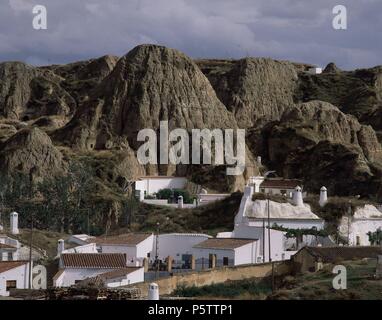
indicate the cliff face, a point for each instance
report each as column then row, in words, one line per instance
column 31, row 151
column 148, row 85
column 321, row 128
column 28, row 92
column 319, row 143
column 255, row 90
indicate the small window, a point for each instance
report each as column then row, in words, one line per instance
column 358, row 241
column 10, row 256
column 225, row 261
column 11, row 284
column 262, row 190
column 148, row 255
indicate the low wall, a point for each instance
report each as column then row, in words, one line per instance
column 212, row 276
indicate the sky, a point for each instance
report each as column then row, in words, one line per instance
column 296, row 30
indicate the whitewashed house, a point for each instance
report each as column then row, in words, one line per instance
column 136, row 246
column 149, row 185
column 365, row 219
column 296, row 215
column 13, row 275
column 217, row 252
column 315, row 70
column 9, row 248
column 76, row 267
column 279, row 186
column 179, row 246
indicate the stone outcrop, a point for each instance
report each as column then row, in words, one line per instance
column 256, row 90
column 31, row 151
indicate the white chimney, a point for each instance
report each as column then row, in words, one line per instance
column 60, row 246
column 14, row 223
column 297, row 197
column 323, row 196
column 248, row 191
column 153, row 291
column 180, row 202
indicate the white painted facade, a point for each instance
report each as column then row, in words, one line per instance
column 246, row 254
column 134, row 253
column 130, row 278
column 365, row 219
column 9, row 254
column 177, row 244
column 152, row 184
column 19, row 274
column 205, row 198
column 87, row 248
column 71, row 276
column 80, row 239
column 315, row 70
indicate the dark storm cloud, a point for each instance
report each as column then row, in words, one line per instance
column 298, row 30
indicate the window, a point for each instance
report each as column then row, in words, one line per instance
column 10, row 256
column 225, row 261
column 11, row 284
column 148, row 255
column 358, row 241
column 262, row 190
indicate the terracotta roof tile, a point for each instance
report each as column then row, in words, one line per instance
column 223, row 243
column 8, row 265
column 93, row 260
column 129, row 239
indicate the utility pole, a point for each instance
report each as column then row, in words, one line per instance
column 263, row 240
column 157, row 252
column 349, row 215
column 269, row 234
column 31, row 227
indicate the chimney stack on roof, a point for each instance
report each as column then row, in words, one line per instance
column 60, row 246
column 323, row 196
column 297, row 197
column 14, row 223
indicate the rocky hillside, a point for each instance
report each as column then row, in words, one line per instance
column 321, row 128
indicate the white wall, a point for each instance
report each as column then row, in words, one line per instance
column 87, row 248
column 153, row 185
column 134, row 254
column 133, row 277
column 70, row 276
column 20, row 274
column 247, row 254
column 176, row 244
column 277, row 240
column 291, row 223
column 359, row 228
column 200, row 253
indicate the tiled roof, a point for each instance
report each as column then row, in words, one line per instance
column 8, row 265
column 6, row 246
column 93, row 260
column 280, row 183
column 129, row 239
column 223, row 243
column 332, row 254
